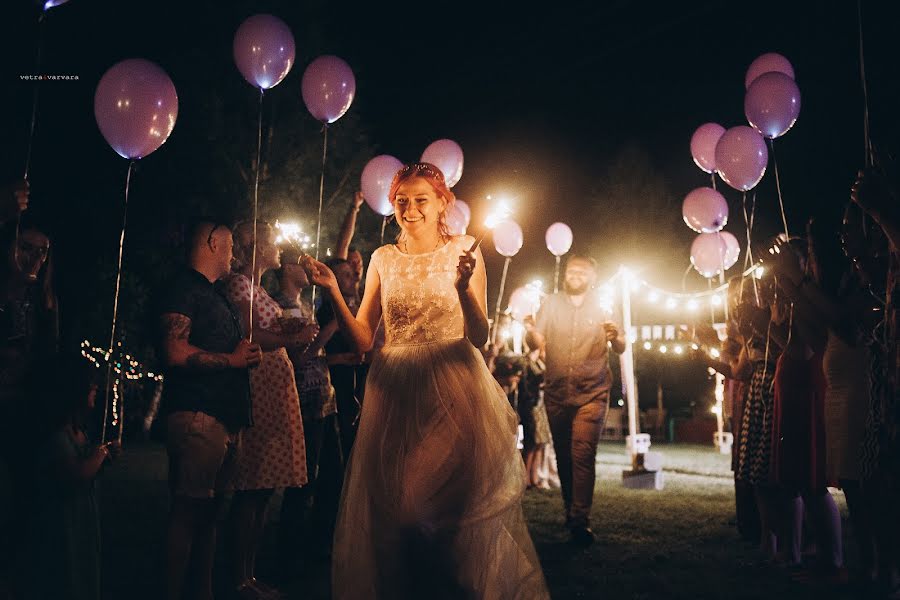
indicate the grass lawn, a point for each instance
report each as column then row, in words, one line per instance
column 674, row 543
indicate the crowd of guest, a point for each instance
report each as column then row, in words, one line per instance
column 263, row 393
column 811, row 357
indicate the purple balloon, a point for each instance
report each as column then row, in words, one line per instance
column 703, row 146
column 48, row 4
column 772, row 104
column 465, row 209
column 135, row 106
column 263, row 50
column 741, row 157
column 328, row 88
column 447, row 156
column 732, row 249
column 456, row 220
column 558, row 239
column 375, row 183
column 508, row 238
column 705, row 210
column 766, row 64
column 708, row 254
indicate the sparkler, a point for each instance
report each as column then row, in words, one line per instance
column 501, row 211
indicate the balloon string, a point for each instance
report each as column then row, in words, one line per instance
column 321, row 197
column 34, row 100
column 112, row 335
column 556, row 276
column 713, row 177
column 748, row 257
column 384, row 223
column 787, row 234
column 684, row 278
column 499, row 300
column 255, row 210
column 30, row 145
column 870, row 154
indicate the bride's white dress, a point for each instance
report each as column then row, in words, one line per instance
column 431, row 500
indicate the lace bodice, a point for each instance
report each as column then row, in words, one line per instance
column 419, row 302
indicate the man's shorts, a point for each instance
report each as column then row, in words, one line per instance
column 202, row 454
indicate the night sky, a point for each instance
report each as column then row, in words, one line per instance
column 544, row 101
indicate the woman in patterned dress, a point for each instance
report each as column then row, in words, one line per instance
column 755, row 448
column 431, row 500
column 271, row 453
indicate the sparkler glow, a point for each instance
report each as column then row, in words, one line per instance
column 501, row 211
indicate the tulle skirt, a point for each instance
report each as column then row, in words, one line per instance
column 431, row 501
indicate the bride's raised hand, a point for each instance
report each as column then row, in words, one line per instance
column 318, row 273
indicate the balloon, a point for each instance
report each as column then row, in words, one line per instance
column 456, row 220
column 705, row 210
column 708, row 254
column 772, row 104
column 732, row 249
column 524, row 301
column 741, row 157
column 508, row 238
column 48, row 4
column 263, row 50
column 447, row 156
column 135, row 106
column 465, row 209
column 703, row 146
column 558, row 238
column 375, row 183
column 766, row 64
column 328, row 88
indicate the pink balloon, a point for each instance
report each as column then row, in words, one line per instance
column 263, row 50
column 741, row 157
column 465, row 209
column 705, row 210
column 732, row 249
column 328, row 88
column 456, row 220
column 766, row 64
column 508, row 238
column 135, row 106
column 708, row 254
column 524, row 301
column 558, row 238
column 375, row 183
column 703, row 146
column 447, row 156
column 772, row 104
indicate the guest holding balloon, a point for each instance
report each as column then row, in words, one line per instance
column 62, row 552
column 419, row 518
column 272, row 453
column 206, row 402
column 574, row 331
column 28, row 338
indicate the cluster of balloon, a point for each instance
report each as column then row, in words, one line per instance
column 135, row 106
column 739, row 154
column 559, row 241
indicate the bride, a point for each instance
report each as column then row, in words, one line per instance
column 431, row 501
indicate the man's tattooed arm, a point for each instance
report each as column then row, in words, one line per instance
column 177, row 330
